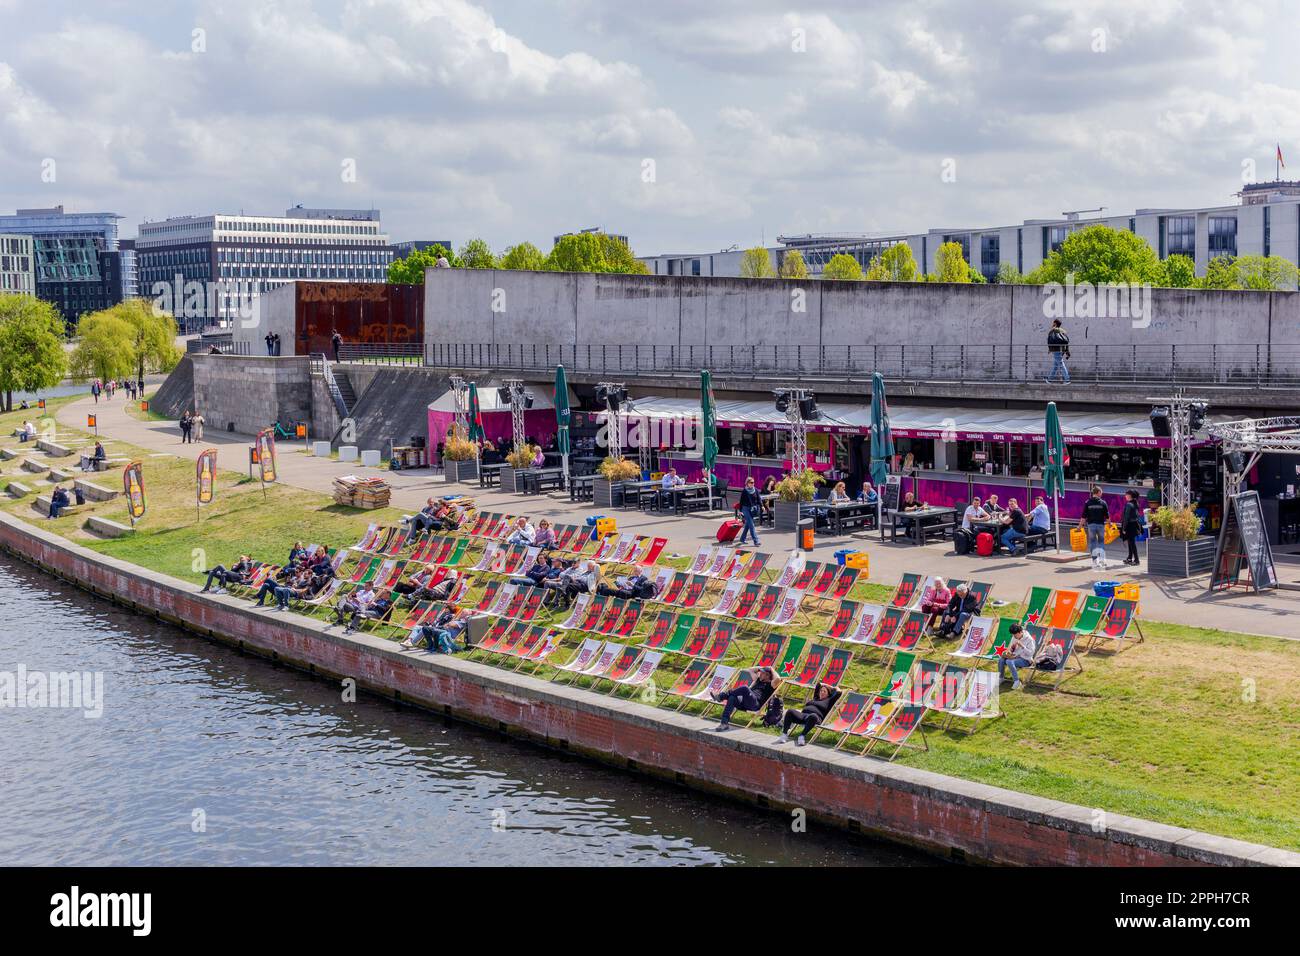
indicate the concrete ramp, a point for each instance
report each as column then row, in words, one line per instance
column 176, row 394
column 394, row 406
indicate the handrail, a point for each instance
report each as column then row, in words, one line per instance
column 319, row 364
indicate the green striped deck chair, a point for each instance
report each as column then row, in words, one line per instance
column 1091, row 614
column 462, row 545
column 1001, row 640
column 1036, row 605
column 681, row 633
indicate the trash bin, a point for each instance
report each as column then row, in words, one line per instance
column 803, row 534
column 1105, row 589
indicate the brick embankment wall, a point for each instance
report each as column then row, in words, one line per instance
column 942, row 815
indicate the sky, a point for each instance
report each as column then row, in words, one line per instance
column 689, row 126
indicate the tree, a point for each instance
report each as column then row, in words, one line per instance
column 31, row 346
column 1008, row 275
column 950, row 264
column 756, row 263
column 476, row 254
column 895, row 264
column 842, row 266
column 583, row 252
column 124, row 341
column 1180, row 272
column 975, row 276
column 411, row 269
column 619, row 258
column 525, row 257
column 793, row 266
column 1262, row 273
column 1104, row 256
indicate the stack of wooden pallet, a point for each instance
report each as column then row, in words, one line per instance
column 361, row 492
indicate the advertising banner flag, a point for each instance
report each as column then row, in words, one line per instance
column 266, row 454
column 133, row 487
column 205, row 474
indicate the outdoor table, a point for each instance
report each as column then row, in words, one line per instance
column 489, row 475
column 682, row 494
column 581, row 487
column 535, row 478
column 850, row 512
column 585, row 464
column 915, row 523
column 635, row 492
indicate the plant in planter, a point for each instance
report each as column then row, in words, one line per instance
column 460, row 458
column 1180, row 550
column 518, row 460
column 611, row 471
column 792, row 491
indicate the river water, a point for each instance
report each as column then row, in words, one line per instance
column 204, row 756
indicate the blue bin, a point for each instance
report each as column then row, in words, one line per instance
column 843, row 553
column 591, row 523
column 1105, row 589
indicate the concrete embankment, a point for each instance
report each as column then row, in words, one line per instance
column 944, row 815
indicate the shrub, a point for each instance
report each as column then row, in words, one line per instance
column 800, row 487
column 523, row 458
column 1178, row 524
column 619, row 469
column 458, row 449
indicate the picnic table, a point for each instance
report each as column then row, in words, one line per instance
column 685, row 497
column 918, row 525
column 850, row 513
column 534, row 479
column 489, row 475
column 581, row 487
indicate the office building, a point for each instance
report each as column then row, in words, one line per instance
column 17, row 265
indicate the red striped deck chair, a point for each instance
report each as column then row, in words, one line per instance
column 1065, row 639
column 843, row 584
column 650, row 553
column 628, row 621
column 372, row 532
column 769, row 601
column 501, row 527
column 811, row 572
column 532, row 639
column 695, row 588
column 595, row 612
column 874, row 714
column 609, row 620
column 422, row 547
column 577, row 613
column 1063, row 608
column 661, row 628
column 907, row 590
column 508, row 559
column 811, row 669
column 394, row 575
column 641, row 676
column 980, row 591
column 489, row 596
column 514, row 605
column 485, row 559
column 928, row 675
column 980, row 700
column 581, row 543
column 756, row 565
column 888, row 626
column 396, row 542
column 626, row 547
column 563, row 537
column 789, row 573
column 770, row 652
column 978, row 638
column 624, row 663
column 479, row 525
column 506, row 597
column 721, row 679
column 440, row 549
column 532, row 604
column 788, row 607
column 1121, row 616
column 720, row 559
column 604, row 547
column 1036, row 605
column 843, row 716
column 822, row 583
column 724, row 632
column 949, row 690
column 494, row 634
column 672, row 593
column 747, row 601
column 868, row 620
column 703, row 558
column 842, row 622
column 417, row 615
column 691, row 679
column 459, row 592
column 837, row 665
column 898, row 730
column 582, row 658
column 543, row 649
column 380, row 544
column 382, row 573
column 512, row 639
column 910, row 631
column 359, row 572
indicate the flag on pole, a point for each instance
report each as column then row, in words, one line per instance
column 1055, row 459
column 205, row 473
column 133, row 486
column 1280, row 161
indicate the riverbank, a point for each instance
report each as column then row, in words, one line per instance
column 940, row 814
column 1163, row 731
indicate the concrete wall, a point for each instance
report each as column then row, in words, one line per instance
column 251, row 392
column 273, row 312
column 940, row 814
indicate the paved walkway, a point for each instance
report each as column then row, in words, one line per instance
column 1182, row 602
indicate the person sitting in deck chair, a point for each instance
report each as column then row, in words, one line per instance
column 534, row 576
column 419, row 582
column 355, row 605
column 746, row 697
column 522, row 532
column 545, row 536
column 810, row 715
column 1019, row 654
column 632, row 587
column 440, row 638
column 960, row 607
column 935, row 598
column 238, row 573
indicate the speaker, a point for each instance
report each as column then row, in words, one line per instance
column 1196, row 416
column 808, row 409
column 1160, row 422
column 503, row 395
column 528, row 399
column 1234, row 461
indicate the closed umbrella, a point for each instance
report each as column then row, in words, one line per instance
column 562, row 415
column 475, row 418
column 882, row 443
column 1054, row 465
column 709, row 416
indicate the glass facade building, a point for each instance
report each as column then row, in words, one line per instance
column 17, row 259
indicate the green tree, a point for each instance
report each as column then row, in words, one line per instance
column 950, row 265
column 842, row 266
column 525, row 256
column 476, row 254
column 1104, row 256
column 411, row 269
column 895, row 264
column 975, row 276
column 583, row 252
column 619, row 257
column 1261, row 273
column 125, row 341
column 1180, row 272
column 756, row 263
column 31, row 346
column 1008, row 275
column 793, row 266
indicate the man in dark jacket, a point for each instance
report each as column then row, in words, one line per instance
column 960, row 607
column 812, row 714
column 1093, row 520
column 747, row 697
column 748, row 507
column 1058, row 346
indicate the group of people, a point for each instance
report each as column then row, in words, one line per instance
column 191, row 427
column 756, row 689
column 1012, row 525
column 108, row 388
column 1095, row 517
column 272, row 340
column 438, row 514
column 61, row 500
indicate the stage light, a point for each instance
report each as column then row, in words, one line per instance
column 782, row 401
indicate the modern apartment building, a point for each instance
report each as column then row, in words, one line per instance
column 78, row 262
column 17, row 265
column 209, row 267
column 1266, row 221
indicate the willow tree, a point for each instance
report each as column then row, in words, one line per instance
column 31, row 346
column 125, row 341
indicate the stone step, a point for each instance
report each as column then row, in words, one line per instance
column 18, row 490
column 35, row 467
column 106, row 528
column 8, row 454
column 61, row 474
column 53, row 448
column 94, row 492
column 42, row 504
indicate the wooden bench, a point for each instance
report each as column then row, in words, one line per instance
column 106, row 528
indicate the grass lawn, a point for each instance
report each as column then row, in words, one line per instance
column 1194, row 727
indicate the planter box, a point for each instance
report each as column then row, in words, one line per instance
column 1180, row 559
column 461, row 470
column 508, row 479
column 786, row 515
column 603, row 492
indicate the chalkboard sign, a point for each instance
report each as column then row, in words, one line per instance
column 893, row 492
column 1243, row 543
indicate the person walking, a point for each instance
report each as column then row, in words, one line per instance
column 1093, row 520
column 336, row 341
column 187, row 423
column 94, row 390
column 749, row 505
column 1130, row 526
column 197, row 423
column 1058, row 346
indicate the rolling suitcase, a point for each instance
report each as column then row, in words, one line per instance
column 984, row 544
column 728, row 530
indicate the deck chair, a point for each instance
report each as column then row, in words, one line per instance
column 872, row 715
column 509, row 602
column 1065, row 639
column 641, row 676
column 542, row 652
column 323, row 595
column 755, row 566
column 672, row 592
column 770, row 651
column 624, row 664
column 789, row 606
column 1121, row 617
column 898, row 730
column 660, row 630
column 703, row 558
column 625, row 548
column 788, row 664
column 609, row 619
column 457, row 552
column 720, row 680
column 898, row 683
column 595, row 612
column 359, row 572
column 844, row 582
column 532, row 603
column 582, row 658
column 927, row 677
column 603, row 661
column 488, row 598
column 486, row 559
column 720, row 559
column 691, row 679
column 790, row 571
column 494, row 635
column 694, row 590
column 1036, row 604
column 364, row 544
column 911, row 632
column 728, row 599
column 813, row 662
column 662, row 579
column 1091, row 614
column 843, row 715
column 979, row 701
column 949, row 690
column 980, row 590
column 627, row 623
column 977, row 639
column 650, row 553
column 397, row 542
column 1064, row 608
column 809, row 573
column 887, row 627
column 1001, row 639
column 869, row 616
column 723, row 634
column 907, row 591
column 843, row 620
column 695, row 637
column 748, row 601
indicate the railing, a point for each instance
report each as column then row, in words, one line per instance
column 410, row 353
column 1242, row 365
column 320, row 365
